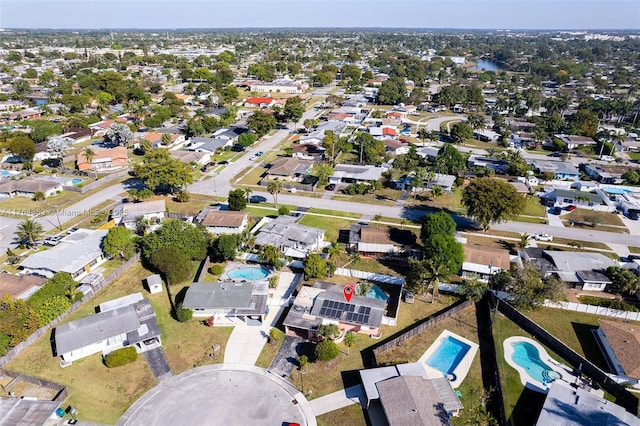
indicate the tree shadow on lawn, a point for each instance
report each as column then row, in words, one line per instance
column 508, row 245
column 527, row 408
column 589, row 345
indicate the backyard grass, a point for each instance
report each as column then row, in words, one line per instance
column 634, row 155
column 195, row 204
column 102, row 394
column 364, row 264
column 634, row 249
column 352, row 415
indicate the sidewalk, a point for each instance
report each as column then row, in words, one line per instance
column 246, row 342
column 337, row 400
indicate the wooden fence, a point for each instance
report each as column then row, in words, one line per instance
column 99, row 285
column 420, row 327
column 61, row 391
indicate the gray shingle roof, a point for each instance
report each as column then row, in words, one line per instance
column 225, row 295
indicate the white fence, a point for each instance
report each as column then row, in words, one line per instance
column 388, row 279
column 597, row 310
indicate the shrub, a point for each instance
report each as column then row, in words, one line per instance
column 216, row 269
column 38, row 169
column 273, row 281
column 302, row 362
column 121, row 357
column 608, row 303
column 283, row 210
column 182, row 196
column 183, row 314
column 326, row 350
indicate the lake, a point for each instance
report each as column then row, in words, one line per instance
column 486, row 65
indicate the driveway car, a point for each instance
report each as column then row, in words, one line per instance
column 542, row 237
column 331, row 187
column 571, row 208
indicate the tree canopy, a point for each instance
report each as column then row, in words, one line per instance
column 188, row 239
column 161, row 171
column 237, row 200
column 440, row 223
column 119, row 243
column 489, row 200
column 261, row 122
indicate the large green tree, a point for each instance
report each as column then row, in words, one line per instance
column 293, row 109
column 461, row 131
column 161, row 171
column 172, row 263
column 440, row 223
column 527, row 288
column 450, row 160
column 392, row 91
column 23, row 147
column 225, row 247
column 190, row 240
column 119, row 243
column 490, row 200
column 237, row 199
column 315, row 266
column 28, row 232
column 261, row 122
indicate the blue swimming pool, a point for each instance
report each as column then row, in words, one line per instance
column 526, row 356
column 447, row 357
column 248, row 273
column 617, row 190
column 6, row 173
column 376, row 292
column 76, row 181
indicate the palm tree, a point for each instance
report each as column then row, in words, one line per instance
column 89, row 154
column 418, row 181
column 247, row 239
column 274, row 187
column 28, row 232
column 436, row 192
column 437, row 272
column 423, row 134
column 247, row 193
column 335, row 249
column 524, row 240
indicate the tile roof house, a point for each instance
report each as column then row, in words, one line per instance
column 156, row 139
column 366, row 239
column 259, row 102
column 77, row 254
column 20, row 286
column 28, row 187
column 127, row 321
column 104, row 159
column 484, row 262
column 127, row 214
column 226, row 300
column 225, row 221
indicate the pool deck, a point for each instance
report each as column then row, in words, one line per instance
column 463, row 367
column 525, row 378
column 239, row 265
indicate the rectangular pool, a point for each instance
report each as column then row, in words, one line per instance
column 448, row 355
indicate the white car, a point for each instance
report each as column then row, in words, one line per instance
column 542, row 237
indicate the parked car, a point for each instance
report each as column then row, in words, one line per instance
column 542, row 237
column 331, row 187
column 259, row 153
column 71, row 230
column 634, row 216
column 557, row 210
column 238, row 148
column 571, row 208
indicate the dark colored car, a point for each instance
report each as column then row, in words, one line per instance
column 557, row 210
column 331, row 187
column 634, row 216
column 238, row 148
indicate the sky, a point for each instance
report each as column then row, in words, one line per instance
column 459, row 14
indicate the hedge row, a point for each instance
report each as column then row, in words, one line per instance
column 121, row 357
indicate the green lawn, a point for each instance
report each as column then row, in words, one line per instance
column 352, row 415
column 634, row 249
column 601, row 218
column 533, row 207
column 634, row 155
column 102, row 394
column 334, row 213
column 331, row 225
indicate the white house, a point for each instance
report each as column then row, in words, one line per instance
column 225, row 221
column 127, row 321
column 78, row 254
column 127, row 214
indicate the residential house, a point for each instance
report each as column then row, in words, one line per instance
column 394, row 147
column 351, row 173
column 103, row 159
column 208, row 145
column 620, row 345
column 42, row 151
column 259, row 102
column 77, row 135
column 127, row 214
column 484, row 262
column 408, row 396
column 562, row 197
column 605, row 174
column 386, row 241
column 499, row 165
column 486, row 135
column 228, row 300
column 25, row 114
column 284, row 85
column 575, row 141
column 225, row 221
column 28, row 187
column 580, row 270
column 119, row 323
column 318, row 134
column 231, row 133
column 323, row 305
column 293, row 239
column 308, row 152
column 78, row 254
column 288, row 169
column 20, row 286
column 100, row 128
column 562, row 170
column 156, row 139
column 428, row 152
column 566, row 405
column 191, row 157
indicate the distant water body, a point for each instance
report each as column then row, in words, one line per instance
column 486, row 65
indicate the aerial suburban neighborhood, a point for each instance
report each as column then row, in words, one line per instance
column 314, row 227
